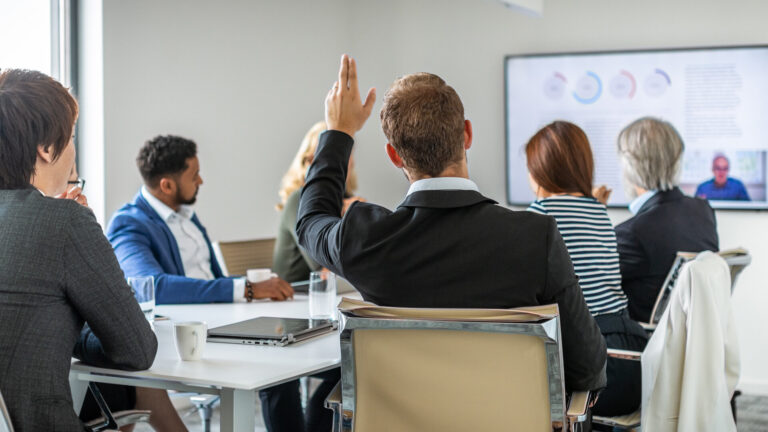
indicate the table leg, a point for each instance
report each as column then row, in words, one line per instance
column 238, row 410
column 78, row 388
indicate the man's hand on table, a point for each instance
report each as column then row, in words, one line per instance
column 273, row 288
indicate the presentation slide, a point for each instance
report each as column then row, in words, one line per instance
column 716, row 98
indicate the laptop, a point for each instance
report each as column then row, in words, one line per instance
column 271, row 331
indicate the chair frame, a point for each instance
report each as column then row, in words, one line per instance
column 548, row 330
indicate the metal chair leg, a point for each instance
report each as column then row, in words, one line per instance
column 304, row 387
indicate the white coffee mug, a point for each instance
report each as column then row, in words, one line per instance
column 259, row 275
column 190, row 339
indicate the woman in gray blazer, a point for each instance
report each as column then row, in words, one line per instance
column 57, row 270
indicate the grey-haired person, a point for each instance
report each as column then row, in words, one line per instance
column 664, row 220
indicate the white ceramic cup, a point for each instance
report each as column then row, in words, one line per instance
column 190, row 339
column 259, row 275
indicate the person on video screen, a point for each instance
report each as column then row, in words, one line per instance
column 721, row 187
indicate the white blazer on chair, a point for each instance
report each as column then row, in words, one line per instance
column 691, row 363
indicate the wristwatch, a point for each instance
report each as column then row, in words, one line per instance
column 248, row 291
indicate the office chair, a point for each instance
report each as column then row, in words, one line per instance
column 108, row 421
column 410, row 369
column 737, row 260
column 236, row 257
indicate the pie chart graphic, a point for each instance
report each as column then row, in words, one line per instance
column 656, row 83
column 554, row 86
column 588, row 88
column 623, row 85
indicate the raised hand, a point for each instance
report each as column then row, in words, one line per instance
column 344, row 110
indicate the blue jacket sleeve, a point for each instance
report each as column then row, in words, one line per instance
column 133, row 248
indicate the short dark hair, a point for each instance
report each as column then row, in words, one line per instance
column 560, row 159
column 423, row 119
column 35, row 110
column 164, row 155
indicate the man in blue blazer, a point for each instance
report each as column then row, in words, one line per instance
column 158, row 234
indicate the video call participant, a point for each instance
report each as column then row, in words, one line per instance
column 57, row 271
column 721, row 187
column 665, row 221
column 446, row 245
column 561, row 171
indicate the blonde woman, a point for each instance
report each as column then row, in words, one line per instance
column 290, row 261
column 293, row 264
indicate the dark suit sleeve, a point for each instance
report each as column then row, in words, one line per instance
column 121, row 336
column 319, row 225
column 131, row 244
column 289, row 218
column 633, row 259
column 584, row 349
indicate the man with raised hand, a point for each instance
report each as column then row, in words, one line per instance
column 446, row 245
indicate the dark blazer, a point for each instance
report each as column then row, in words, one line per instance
column 668, row 223
column 57, row 271
column 448, row 248
column 145, row 246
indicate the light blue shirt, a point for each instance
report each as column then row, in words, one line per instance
column 442, row 183
column 638, row 202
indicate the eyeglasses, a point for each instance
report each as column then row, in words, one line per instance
column 80, row 182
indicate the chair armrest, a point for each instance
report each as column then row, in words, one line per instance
column 578, row 406
column 624, row 354
column 648, row 327
column 122, row 418
column 333, row 400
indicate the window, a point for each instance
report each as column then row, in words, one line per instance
column 35, row 34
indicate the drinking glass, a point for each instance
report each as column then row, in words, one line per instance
column 143, row 288
column 322, row 295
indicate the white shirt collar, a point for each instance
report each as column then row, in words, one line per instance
column 442, row 183
column 162, row 209
column 638, row 202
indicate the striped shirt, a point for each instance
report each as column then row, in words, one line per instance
column 588, row 234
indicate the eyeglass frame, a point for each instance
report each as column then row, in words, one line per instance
column 80, row 182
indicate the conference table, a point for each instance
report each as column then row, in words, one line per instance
column 234, row 372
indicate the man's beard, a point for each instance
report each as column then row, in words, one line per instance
column 183, row 201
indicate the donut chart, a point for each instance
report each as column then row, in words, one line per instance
column 554, row 86
column 656, row 83
column 589, row 88
column 623, row 85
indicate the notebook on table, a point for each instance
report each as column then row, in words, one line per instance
column 271, row 331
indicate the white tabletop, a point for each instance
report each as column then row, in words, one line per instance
column 244, row 367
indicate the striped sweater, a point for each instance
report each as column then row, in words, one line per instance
column 588, row 234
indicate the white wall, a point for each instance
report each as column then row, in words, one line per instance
column 246, row 78
column 238, row 77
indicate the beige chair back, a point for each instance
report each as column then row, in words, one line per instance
column 450, row 369
column 236, row 257
column 5, row 417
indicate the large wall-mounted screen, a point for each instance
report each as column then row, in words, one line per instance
column 717, row 98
